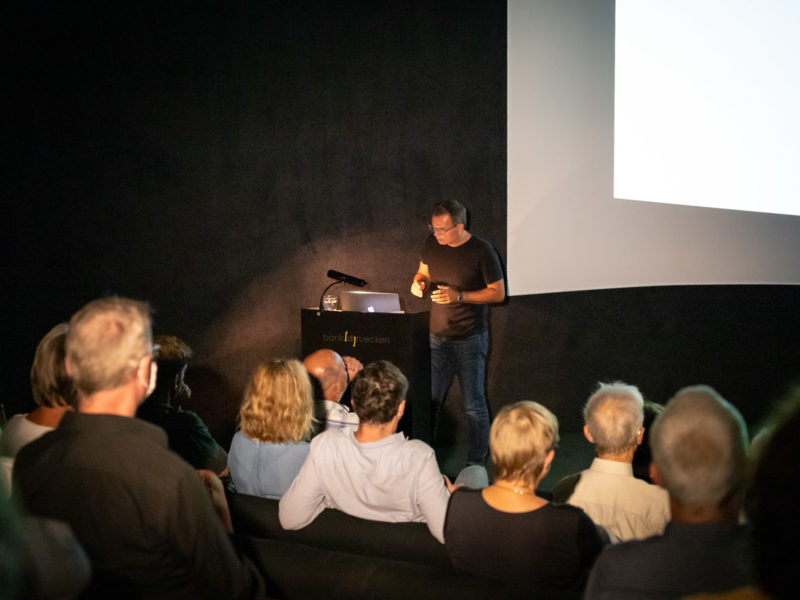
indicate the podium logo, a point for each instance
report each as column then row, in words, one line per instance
column 353, row 339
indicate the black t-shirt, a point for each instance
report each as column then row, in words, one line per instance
column 140, row 512
column 553, row 546
column 468, row 267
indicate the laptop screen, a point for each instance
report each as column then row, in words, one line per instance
column 379, row 302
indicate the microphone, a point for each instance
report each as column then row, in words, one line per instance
column 342, row 278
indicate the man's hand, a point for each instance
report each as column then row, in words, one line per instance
column 217, row 493
column 418, row 288
column 451, row 487
column 352, row 366
column 444, row 295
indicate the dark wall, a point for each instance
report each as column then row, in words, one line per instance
column 216, row 160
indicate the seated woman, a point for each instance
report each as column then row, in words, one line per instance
column 52, row 392
column 275, row 422
column 506, row 531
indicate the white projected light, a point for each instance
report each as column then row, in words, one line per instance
column 720, row 130
column 706, row 103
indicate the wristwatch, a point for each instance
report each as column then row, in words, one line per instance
column 460, row 297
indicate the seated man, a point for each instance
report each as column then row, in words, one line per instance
column 333, row 373
column 187, row 435
column 626, row 507
column 150, row 526
column 373, row 473
column 699, row 456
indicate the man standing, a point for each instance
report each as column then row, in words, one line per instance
column 142, row 513
column 463, row 274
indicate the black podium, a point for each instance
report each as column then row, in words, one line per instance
column 396, row 337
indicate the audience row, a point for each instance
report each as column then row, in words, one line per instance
column 147, row 506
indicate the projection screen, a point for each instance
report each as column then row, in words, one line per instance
column 566, row 229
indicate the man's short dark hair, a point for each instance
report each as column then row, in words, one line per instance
column 173, row 355
column 377, row 391
column 456, row 210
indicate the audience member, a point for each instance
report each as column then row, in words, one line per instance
column 506, row 531
column 333, row 373
column 187, row 435
column 626, row 507
column 275, row 422
column 773, row 510
column 699, row 453
column 772, row 507
column 643, row 456
column 52, row 393
column 142, row 514
column 40, row 559
column 373, row 473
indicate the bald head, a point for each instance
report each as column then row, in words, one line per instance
column 329, row 369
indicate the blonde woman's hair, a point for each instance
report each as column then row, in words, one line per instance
column 107, row 339
column 278, row 405
column 522, row 434
column 50, row 384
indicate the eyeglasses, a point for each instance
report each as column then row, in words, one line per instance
column 441, row 230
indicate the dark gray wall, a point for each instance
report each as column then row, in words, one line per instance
column 216, row 160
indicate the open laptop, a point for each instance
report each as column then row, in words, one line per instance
column 379, row 302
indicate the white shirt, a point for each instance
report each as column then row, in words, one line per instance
column 18, row 432
column 393, row 480
column 337, row 416
column 626, row 507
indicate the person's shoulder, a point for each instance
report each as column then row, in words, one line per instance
column 632, row 552
column 657, row 493
column 40, row 446
column 476, row 241
column 464, row 494
column 565, row 510
column 186, row 415
column 15, row 422
column 417, row 446
column 330, row 437
column 239, row 441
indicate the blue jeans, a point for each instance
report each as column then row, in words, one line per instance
column 465, row 358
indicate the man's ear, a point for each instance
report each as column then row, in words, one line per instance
column 588, row 435
column 67, row 366
column 640, row 436
column 143, row 371
column 401, row 409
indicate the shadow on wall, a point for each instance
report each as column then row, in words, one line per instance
column 262, row 321
column 215, row 401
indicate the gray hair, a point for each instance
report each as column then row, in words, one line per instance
column 614, row 414
column 699, row 446
column 106, row 341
